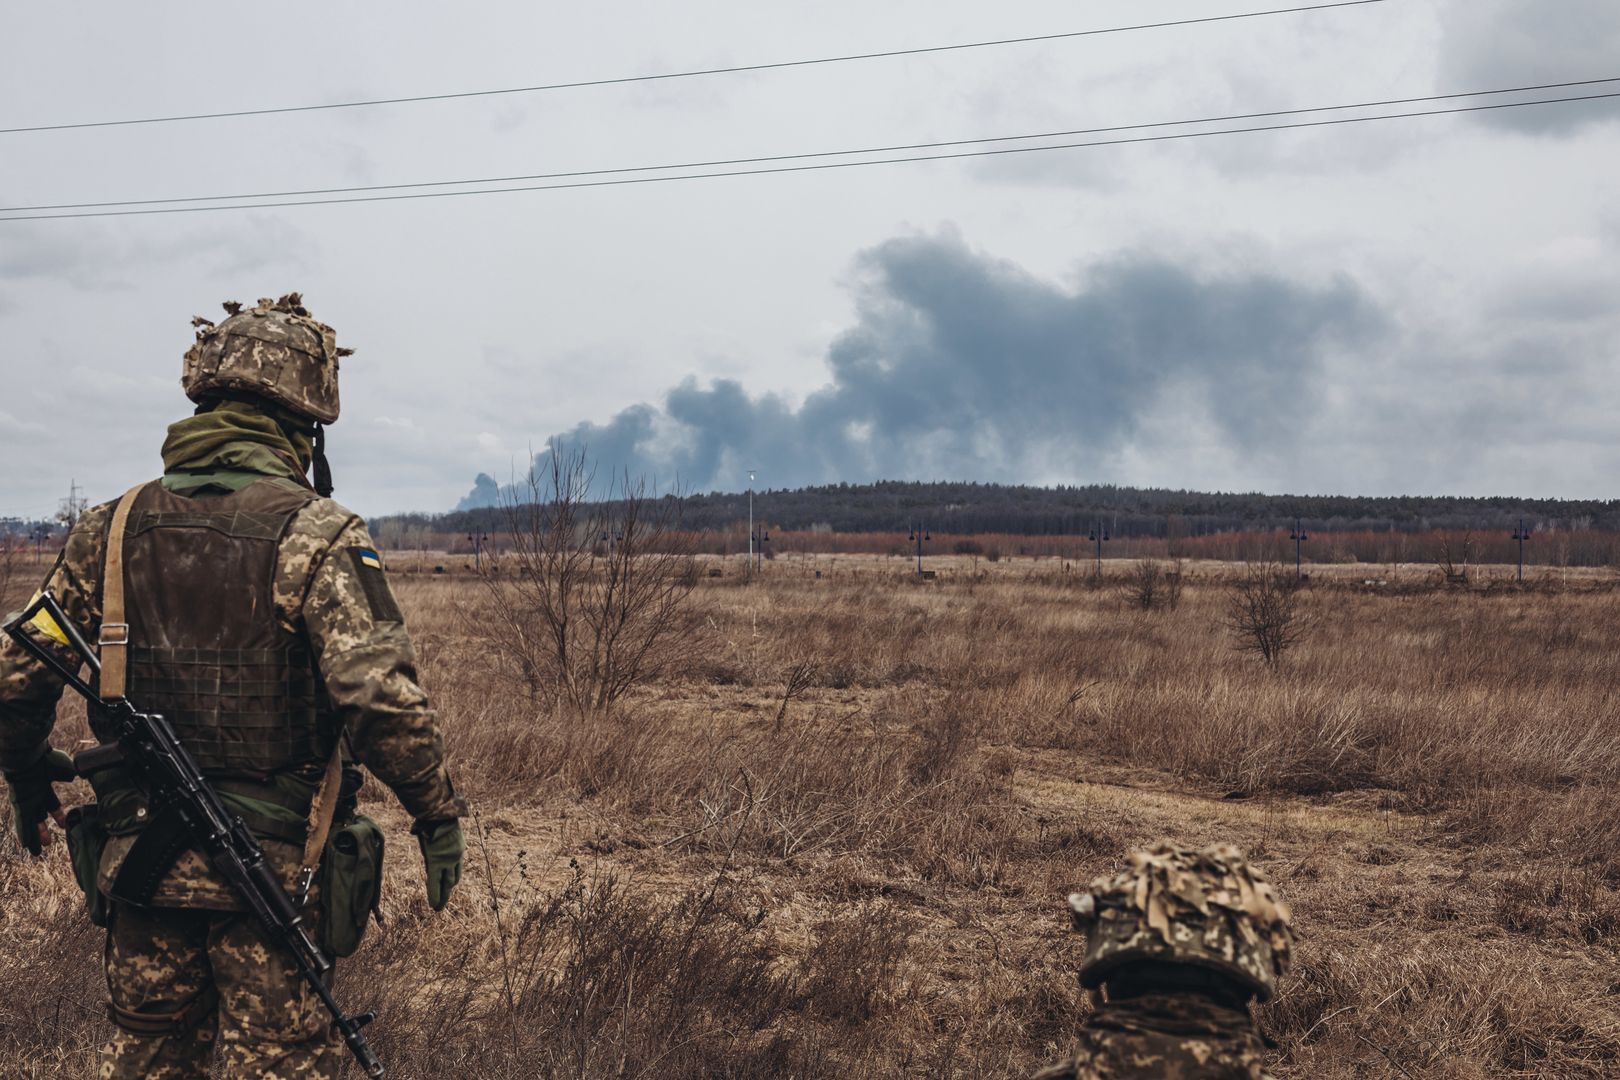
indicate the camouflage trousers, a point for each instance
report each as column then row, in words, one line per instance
column 1167, row 1036
column 187, row 982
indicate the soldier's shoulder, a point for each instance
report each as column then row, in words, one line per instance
column 93, row 520
column 324, row 520
column 88, row 536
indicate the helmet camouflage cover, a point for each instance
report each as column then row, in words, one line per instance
column 274, row 350
column 1208, row 908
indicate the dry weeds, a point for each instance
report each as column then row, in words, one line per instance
column 712, row 883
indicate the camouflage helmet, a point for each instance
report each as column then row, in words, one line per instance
column 275, row 351
column 1207, row 908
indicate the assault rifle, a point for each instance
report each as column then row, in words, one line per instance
column 146, row 745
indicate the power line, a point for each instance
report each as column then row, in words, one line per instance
column 820, row 166
column 733, row 70
column 717, row 163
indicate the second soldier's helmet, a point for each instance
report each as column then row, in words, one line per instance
column 273, row 350
column 1207, row 908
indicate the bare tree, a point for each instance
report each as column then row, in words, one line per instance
column 1453, row 562
column 1151, row 584
column 587, row 596
column 1264, row 613
column 11, row 565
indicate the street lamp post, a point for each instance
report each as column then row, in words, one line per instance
column 750, row 522
column 919, row 534
column 1521, row 534
column 1298, row 536
column 478, row 540
column 759, row 538
column 1099, row 536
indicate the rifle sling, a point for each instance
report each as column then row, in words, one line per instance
column 323, row 810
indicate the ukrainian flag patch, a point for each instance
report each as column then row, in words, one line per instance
column 368, row 568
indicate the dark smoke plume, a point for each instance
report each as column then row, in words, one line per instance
column 964, row 366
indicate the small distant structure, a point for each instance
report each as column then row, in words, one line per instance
column 1098, row 537
column 1520, row 535
column 920, row 535
column 1298, row 536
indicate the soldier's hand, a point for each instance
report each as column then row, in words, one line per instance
column 33, row 799
column 442, row 848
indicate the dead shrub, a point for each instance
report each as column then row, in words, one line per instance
column 51, row 1020
column 1452, row 556
column 595, row 981
column 1151, row 585
column 853, row 972
column 1581, row 825
column 799, row 678
column 943, row 736
column 1434, row 1007
column 11, row 568
column 1557, row 899
column 1264, row 612
column 579, row 618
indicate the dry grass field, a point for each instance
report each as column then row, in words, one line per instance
column 863, row 875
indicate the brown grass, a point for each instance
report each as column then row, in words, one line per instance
column 870, row 881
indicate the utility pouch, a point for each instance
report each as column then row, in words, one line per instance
column 86, row 837
column 351, row 885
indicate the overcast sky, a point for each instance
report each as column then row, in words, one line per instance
column 1418, row 306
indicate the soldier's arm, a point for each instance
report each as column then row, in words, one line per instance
column 369, row 666
column 28, row 689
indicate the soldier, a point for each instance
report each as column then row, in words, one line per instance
column 1177, row 947
column 252, row 610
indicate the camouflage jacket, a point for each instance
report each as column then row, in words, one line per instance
column 1166, row 1036
column 367, row 664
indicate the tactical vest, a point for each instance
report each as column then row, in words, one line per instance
column 205, row 646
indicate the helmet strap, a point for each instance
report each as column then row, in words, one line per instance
column 323, row 469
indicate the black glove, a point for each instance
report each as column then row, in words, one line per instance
column 33, row 799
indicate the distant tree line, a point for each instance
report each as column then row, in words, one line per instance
column 967, row 509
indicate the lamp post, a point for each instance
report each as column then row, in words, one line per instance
column 919, row 534
column 611, row 539
column 1099, row 536
column 1521, row 534
column 40, row 534
column 750, row 522
column 478, row 540
column 758, row 539
column 1298, row 536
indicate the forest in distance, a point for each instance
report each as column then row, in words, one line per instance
column 996, row 520
column 970, row 508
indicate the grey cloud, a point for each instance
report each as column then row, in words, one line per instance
column 96, row 256
column 1490, row 43
column 963, row 365
column 45, row 251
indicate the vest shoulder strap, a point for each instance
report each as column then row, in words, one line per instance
column 113, row 642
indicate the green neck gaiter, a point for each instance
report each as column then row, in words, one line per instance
column 234, row 438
